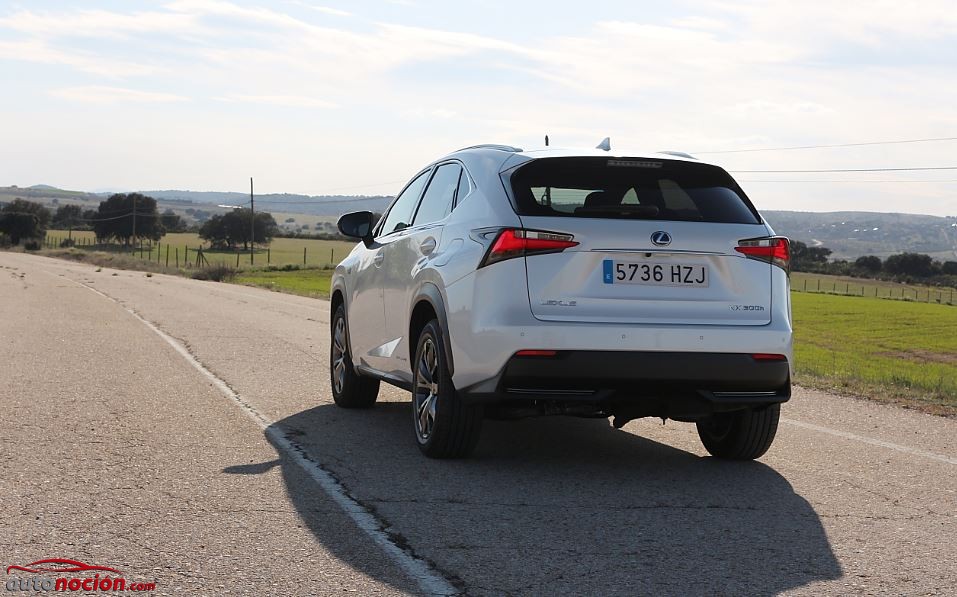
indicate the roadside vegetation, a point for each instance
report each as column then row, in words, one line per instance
column 184, row 246
column 907, row 268
column 309, row 282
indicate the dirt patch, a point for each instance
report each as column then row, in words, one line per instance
column 921, row 356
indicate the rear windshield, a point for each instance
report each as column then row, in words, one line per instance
column 630, row 188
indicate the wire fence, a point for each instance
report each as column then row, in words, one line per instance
column 874, row 289
column 197, row 256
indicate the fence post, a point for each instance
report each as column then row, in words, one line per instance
column 304, row 255
column 177, row 257
column 331, row 258
column 267, row 256
column 167, row 255
column 237, row 259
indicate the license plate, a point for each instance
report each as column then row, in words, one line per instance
column 654, row 273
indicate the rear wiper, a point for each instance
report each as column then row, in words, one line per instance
column 631, row 211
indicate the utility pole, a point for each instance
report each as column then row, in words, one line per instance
column 252, row 221
column 133, row 197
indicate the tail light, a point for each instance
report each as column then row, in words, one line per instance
column 516, row 242
column 768, row 357
column 775, row 250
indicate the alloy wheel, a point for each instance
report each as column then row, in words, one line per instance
column 426, row 390
column 339, row 355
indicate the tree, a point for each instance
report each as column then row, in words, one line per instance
column 20, row 225
column 69, row 217
column 232, row 228
column 869, row 263
column 805, row 258
column 949, row 268
column 115, row 218
column 31, row 207
column 910, row 264
column 172, row 222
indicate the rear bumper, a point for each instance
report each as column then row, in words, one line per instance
column 678, row 385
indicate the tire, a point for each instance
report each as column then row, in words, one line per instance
column 349, row 389
column 443, row 426
column 742, row 435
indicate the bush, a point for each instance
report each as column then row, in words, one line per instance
column 289, row 267
column 5, row 241
column 215, row 273
column 67, row 243
column 32, row 245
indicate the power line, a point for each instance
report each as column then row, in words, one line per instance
column 853, row 181
column 127, row 215
column 831, row 171
column 835, row 145
column 318, row 201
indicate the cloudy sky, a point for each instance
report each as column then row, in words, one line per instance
column 352, row 97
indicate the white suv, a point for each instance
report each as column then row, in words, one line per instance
column 511, row 283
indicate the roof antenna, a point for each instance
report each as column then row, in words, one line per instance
column 605, row 144
column 546, row 140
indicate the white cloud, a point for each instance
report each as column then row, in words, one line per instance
column 292, row 101
column 111, row 95
column 39, row 51
column 336, row 12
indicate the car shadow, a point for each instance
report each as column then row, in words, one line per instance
column 560, row 506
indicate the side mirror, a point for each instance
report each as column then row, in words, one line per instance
column 357, row 224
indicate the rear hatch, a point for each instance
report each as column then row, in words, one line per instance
column 656, row 243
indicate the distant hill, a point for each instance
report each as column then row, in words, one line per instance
column 850, row 234
column 317, row 205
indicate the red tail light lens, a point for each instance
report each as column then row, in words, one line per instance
column 775, row 250
column 516, row 242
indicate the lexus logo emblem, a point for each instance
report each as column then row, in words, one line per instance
column 661, row 238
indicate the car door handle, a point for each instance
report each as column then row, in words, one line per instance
column 427, row 246
column 377, row 260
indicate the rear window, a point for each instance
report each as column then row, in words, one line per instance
column 630, row 188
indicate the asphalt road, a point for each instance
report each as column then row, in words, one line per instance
column 184, row 433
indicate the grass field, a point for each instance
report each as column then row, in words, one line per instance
column 304, row 282
column 281, row 251
column 806, row 282
column 893, row 350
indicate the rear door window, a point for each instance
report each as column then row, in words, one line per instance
column 437, row 201
column 630, row 189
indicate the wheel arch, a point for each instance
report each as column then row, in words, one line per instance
column 427, row 305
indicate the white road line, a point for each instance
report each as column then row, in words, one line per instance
column 430, row 581
column 869, row 440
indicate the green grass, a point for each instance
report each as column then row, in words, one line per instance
column 892, row 350
column 304, row 282
column 281, row 251
column 807, row 282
